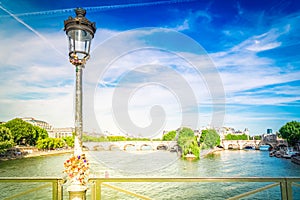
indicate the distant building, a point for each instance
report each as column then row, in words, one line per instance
column 223, row 131
column 52, row 132
column 37, row 122
column 269, row 131
column 269, row 138
column 61, row 132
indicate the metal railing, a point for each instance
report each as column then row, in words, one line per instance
column 285, row 185
column 96, row 184
column 55, row 183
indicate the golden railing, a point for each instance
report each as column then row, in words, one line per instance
column 285, row 185
column 55, row 183
column 96, row 185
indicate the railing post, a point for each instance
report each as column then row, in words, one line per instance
column 57, row 191
column 286, row 190
column 289, row 191
column 60, row 189
column 98, row 190
column 93, row 190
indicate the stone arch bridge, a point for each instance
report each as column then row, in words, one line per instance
column 132, row 145
column 240, row 144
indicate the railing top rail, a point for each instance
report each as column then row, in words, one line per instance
column 30, row 179
column 199, row 179
column 161, row 179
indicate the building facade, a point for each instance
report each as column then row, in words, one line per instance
column 52, row 132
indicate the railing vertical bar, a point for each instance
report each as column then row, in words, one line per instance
column 289, row 189
column 283, row 190
column 93, row 190
column 98, row 189
column 60, row 189
column 55, row 190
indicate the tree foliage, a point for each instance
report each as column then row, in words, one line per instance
column 50, row 143
column 291, row 132
column 6, row 139
column 209, row 139
column 116, row 138
column 188, row 142
column 40, row 132
column 236, row 137
column 257, row 137
column 24, row 132
column 169, row 136
column 69, row 141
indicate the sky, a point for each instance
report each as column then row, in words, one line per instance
column 154, row 65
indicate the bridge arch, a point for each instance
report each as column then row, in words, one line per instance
column 128, row 145
column 162, row 147
column 248, row 145
column 98, row 148
column 114, row 147
column 146, row 145
column 233, row 146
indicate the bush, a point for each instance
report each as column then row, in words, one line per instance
column 50, row 143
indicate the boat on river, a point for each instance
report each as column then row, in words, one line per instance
column 296, row 159
column 278, row 154
column 264, row 147
column 272, row 153
column 288, row 154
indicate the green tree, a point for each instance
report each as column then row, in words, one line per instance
column 69, row 141
column 50, row 143
column 23, row 132
column 6, row 139
column 188, row 142
column 257, row 137
column 42, row 144
column 291, row 132
column 169, row 136
column 40, row 132
column 236, row 137
column 116, row 138
column 209, row 139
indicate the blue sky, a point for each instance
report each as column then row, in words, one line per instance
column 155, row 65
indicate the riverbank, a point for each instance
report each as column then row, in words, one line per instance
column 36, row 154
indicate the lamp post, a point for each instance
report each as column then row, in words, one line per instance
column 80, row 32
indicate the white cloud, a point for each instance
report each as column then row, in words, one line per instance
column 263, row 42
column 183, row 26
column 191, row 18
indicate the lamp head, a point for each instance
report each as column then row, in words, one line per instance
column 80, row 32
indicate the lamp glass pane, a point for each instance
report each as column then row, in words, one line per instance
column 80, row 35
column 79, row 41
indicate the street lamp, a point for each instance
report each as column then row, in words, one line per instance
column 80, row 32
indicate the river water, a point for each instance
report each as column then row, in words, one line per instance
column 160, row 164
